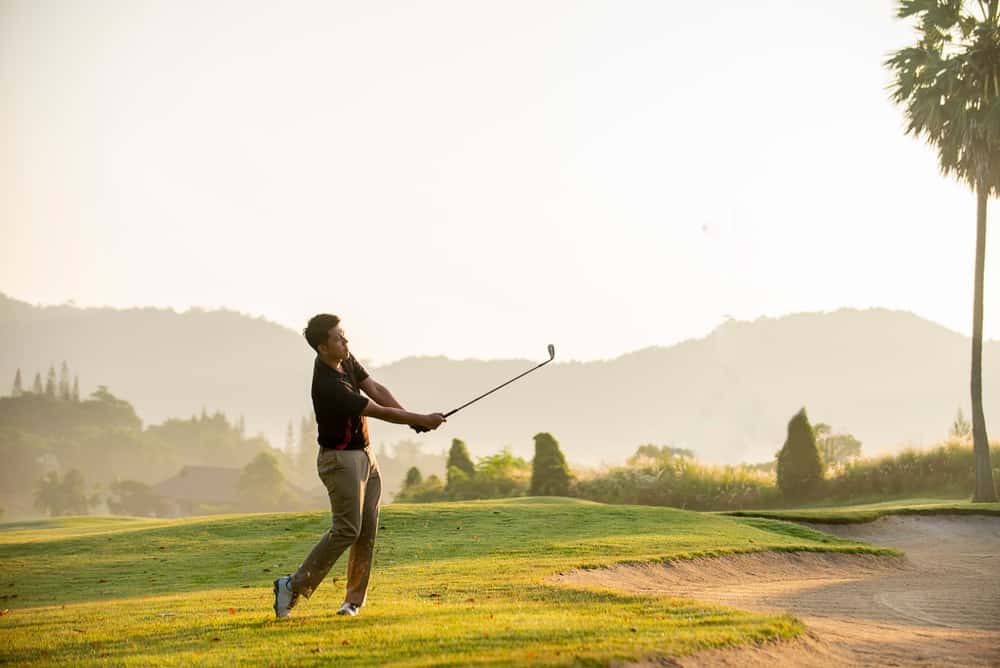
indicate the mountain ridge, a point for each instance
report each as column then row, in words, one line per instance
column 889, row 377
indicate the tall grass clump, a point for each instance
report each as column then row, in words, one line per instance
column 682, row 482
column 948, row 469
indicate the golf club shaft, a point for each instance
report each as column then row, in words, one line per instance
column 469, row 403
column 552, row 356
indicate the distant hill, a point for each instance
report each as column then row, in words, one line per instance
column 165, row 363
column 889, row 377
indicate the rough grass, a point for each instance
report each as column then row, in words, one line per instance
column 858, row 514
column 454, row 584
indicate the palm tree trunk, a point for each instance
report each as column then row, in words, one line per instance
column 984, row 491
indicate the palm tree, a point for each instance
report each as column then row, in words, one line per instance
column 949, row 87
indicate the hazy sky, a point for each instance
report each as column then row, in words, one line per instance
column 475, row 179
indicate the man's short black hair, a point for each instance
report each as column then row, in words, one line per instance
column 317, row 331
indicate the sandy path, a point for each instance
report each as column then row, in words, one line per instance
column 937, row 606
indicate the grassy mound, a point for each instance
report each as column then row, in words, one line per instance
column 857, row 514
column 455, row 583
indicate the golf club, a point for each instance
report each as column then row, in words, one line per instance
column 552, row 356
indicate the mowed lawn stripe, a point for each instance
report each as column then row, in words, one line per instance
column 454, row 583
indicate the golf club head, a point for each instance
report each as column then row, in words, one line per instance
column 552, row 352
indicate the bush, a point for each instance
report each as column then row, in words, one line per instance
column 459, row 466
column 428, row 490
column 63, row 496
column 800, row 469
column 262, row 484
column 501, row 476
column 413, row 477
column 131, row 497
column 494, row 477
column 460, row 485
column 497, row 476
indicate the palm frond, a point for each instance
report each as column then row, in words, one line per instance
column 949, row 87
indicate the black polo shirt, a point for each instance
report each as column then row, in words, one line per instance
column 338, row 403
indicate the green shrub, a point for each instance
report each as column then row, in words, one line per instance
column 428, row 490
column 459, row 467
column 64, row 495
column 494, row 477
column 460, row 485
column 131, row 497
column 413, row 477
column 261, row 484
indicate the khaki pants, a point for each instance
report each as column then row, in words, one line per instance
column 355, row 486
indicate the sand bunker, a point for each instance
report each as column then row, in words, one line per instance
column 939, row 605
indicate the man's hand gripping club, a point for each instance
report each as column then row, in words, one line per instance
column 419, row 422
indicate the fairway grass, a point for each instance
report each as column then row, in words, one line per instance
column 869, row 512
column 454, row 584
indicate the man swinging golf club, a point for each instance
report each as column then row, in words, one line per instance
column 346, row 465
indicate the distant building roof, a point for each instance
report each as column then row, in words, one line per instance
column 202, row 484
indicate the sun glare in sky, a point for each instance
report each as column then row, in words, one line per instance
column 475, row 179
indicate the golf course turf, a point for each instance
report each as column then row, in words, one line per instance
column 454, row 584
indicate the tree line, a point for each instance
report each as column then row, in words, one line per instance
column 495, row 476
column 44, row 436
column 814, row 463
column 64, row 455
column 52, row 388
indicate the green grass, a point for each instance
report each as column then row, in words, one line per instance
column 454, row 584
column 868, row 512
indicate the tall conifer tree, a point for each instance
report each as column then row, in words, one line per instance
column 64, row 388
column 307, row 443
column 800, row 469
column 549, row 472
column 459, row 457
column 50, row 383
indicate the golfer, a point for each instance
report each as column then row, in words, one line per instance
column 346, row 465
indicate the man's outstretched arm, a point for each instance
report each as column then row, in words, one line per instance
column 400, row 416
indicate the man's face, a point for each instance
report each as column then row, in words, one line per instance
column 336, row 344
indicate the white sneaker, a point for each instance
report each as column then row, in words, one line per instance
column 348, row 609
column 284, row 598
